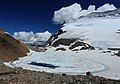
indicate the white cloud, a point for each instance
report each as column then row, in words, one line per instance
column 91, row 8
column 66, row 13
column 30, row 37
column 106, row 7
column 72, row 12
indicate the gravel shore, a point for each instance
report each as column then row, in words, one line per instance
column 20, row 76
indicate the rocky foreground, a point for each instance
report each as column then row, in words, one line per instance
column 20, row 76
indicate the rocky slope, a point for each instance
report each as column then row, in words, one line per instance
column 10, row 48
column 19, row 76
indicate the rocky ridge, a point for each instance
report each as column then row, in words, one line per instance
column 10, row 48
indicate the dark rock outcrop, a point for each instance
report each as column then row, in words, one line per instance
column 60, row 31
column 55, row 41
column 54, row 36
column 62, row 49
column 84, row 46
column 118, row 54
column 113, row 48
column 75, row 49
column 63, row 41
column 73, row 43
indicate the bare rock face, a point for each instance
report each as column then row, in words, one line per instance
column 118, row 32
column 63, row 41
column 55, row 36
column 84, row 46
column 73, row 43
column 118, row 54
column 62, row 49
column 10, row 48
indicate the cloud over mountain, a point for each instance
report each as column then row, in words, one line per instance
column 106, row 7
column 67, row 14
column 30, row 37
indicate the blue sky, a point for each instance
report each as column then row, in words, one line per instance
column 36, row 15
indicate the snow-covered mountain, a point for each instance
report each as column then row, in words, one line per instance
column 81, row 45
column 99, row 29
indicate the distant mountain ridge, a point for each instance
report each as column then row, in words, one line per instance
column 95, row 15
column 110, row 14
